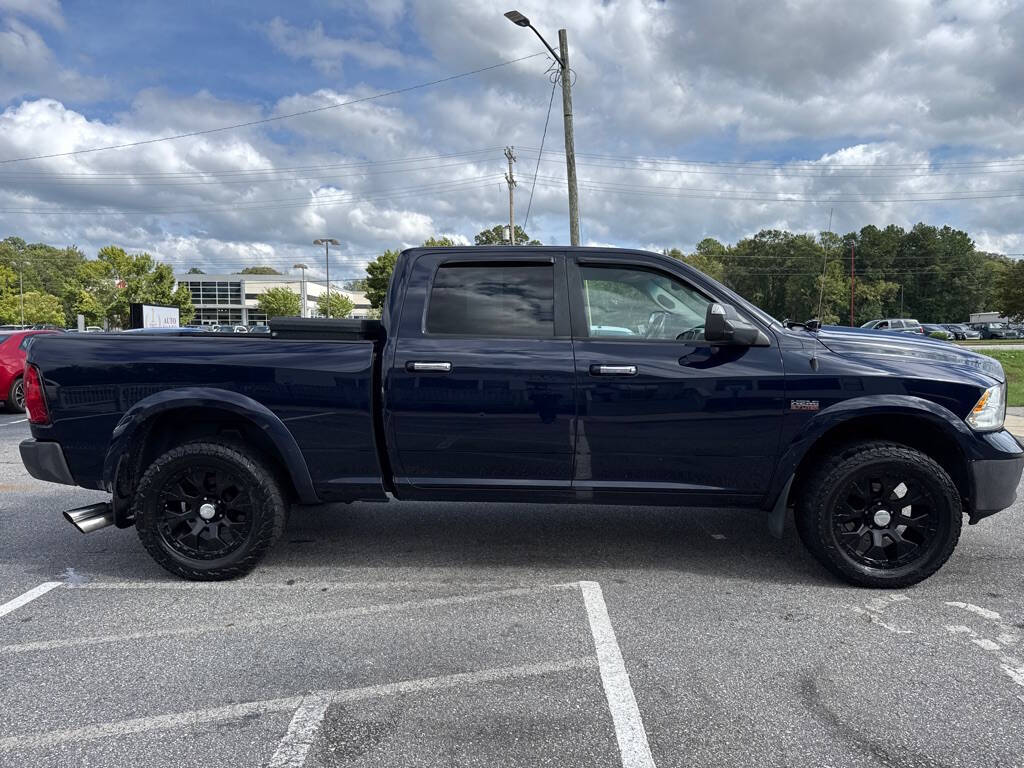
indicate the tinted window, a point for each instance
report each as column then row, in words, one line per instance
column 26, row 341
column 494, row 299
column 635, row 303
column 4, row 337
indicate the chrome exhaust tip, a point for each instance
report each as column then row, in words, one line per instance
column 91, row 518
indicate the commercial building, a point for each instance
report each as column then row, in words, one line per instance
column 234, row 299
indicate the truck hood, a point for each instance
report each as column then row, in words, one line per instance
column 858, row 342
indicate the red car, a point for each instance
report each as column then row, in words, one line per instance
column 12, row 365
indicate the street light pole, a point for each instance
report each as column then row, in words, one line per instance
column 326, row 242
column 562, row 59
column 302, row 285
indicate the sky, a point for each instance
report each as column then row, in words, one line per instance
column 711, row 118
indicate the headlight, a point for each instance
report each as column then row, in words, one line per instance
column 990, row 410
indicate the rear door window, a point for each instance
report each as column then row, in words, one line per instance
column 509, row 299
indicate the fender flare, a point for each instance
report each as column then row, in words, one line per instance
column 216, row 399
column 850, row 410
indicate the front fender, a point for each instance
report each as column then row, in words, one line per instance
column 859, row 407
column 224, row 400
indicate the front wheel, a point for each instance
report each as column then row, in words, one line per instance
column 16, row 396
column 208, row 511
column 880, row 514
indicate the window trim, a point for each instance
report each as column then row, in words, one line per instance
column 560, row 320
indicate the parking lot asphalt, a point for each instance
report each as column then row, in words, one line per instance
column 405, row 634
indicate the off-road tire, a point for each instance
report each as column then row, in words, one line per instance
column 11, row 405
column 819, row 495
column 270, row 510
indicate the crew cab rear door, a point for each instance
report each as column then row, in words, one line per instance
column 662, row 416
column 480, row 391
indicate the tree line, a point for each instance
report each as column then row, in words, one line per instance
column 935, row 274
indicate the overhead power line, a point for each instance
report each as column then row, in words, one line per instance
column 276, row 118
column 812, row 164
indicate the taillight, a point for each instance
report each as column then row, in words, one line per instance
column 35, row 400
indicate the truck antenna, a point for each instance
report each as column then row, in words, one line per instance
column 824, row 266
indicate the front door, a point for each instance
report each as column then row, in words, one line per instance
column 662, row 412
column 481, row 390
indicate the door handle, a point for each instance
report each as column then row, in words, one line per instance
column 428, row 367
column 613, row 370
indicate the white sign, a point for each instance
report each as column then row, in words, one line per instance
column 159, row 317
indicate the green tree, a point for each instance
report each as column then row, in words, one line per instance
column 359, row 284
column 280, row 302
column 39, row 308
column 195, row 271
column 258, row 270
column 1010, row 298
column 137, row 278
column 496, row 236
column 378, row 278
column 439, row 242
column 341, row 305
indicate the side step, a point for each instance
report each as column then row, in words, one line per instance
column 91, row 518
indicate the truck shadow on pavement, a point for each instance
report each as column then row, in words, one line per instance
column 466, row 541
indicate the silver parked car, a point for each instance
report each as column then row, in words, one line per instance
column 898, row 324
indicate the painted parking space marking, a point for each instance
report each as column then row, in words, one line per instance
column 201, row 629
column 16, row 421
column 302, row 731
column 28, row 597
column 234, row 712
column 629, row 728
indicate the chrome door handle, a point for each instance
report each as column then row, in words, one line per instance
column 613, row 370
column 428, row 367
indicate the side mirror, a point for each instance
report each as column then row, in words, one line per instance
column 724, row 325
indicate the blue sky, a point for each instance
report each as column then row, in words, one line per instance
column 693, row 119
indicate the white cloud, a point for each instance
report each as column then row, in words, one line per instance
column 28, row 66
column 47, row 11
column 855, row 104
column 327, row 53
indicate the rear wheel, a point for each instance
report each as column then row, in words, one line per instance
column 880, row 515
column 16, row 396
column 208, row 511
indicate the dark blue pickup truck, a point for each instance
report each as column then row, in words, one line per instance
column 579, row 375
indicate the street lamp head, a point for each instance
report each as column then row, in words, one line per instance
column 299, row 266
column 517, row 18
column 326, row 241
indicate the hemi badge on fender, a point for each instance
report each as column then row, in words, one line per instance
column 803, row 405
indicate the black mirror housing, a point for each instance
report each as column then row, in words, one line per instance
column 724, row 325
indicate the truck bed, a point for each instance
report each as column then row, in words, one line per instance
column 321, row 389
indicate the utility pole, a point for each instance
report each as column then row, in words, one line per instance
column 570, row 145
column 853, row 280
column 326, row 242
column 562, row 59
column 511, row 179
column 302, row 285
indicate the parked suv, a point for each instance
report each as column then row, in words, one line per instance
column 903, row 325
column 995, row 331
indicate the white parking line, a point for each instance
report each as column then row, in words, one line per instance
column 234, row 712
column 16, row 421
column 629, row 728
column 292, row 751
column 28, row 597
column 199, row 629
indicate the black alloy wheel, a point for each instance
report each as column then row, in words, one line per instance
column 883, row 519
column 208, row 510
column 879, row 514
column 205, row 512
